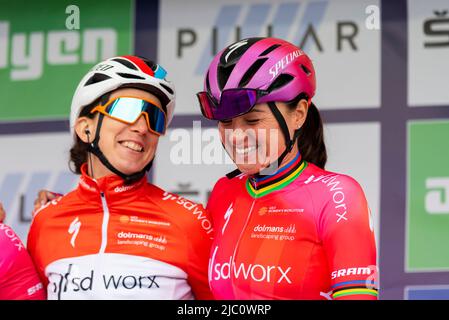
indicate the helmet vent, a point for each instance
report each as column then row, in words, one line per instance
column 126, row 63
column 267, row 51
column 251, row 72
column 166, row 88
column 207, row 83
column 97, row 77
column 280, row 82
column 306, row 70
column 223, row 75
column 130, row 76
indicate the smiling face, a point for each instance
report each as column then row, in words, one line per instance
column 128, row 147
column 254, row 140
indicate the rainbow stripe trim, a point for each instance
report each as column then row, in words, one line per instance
column 354, row 291
column 369, row 284
column 270, row 187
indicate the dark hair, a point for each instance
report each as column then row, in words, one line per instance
column 78, row 152
column 311, row 136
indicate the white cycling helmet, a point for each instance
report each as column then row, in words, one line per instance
column 123, row 72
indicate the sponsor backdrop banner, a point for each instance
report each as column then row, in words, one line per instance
column 333, row 33
column 42, row 60
column 428, row 49
column 382, row 90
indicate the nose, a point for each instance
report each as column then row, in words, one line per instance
column 140, row 125
column 236, row 135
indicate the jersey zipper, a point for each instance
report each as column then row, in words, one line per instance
column 232, row 266
column 104, row 226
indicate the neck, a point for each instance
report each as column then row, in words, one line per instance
column 259, row 185
column 96, row 169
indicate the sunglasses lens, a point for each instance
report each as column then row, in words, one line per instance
column 156, row 118
column 130, row 109
column 233, row 102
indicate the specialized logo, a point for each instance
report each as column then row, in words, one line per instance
column 227, row 216
column 234, row 47
column 284, row 62
column 74, row 229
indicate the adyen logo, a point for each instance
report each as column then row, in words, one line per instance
column 25, row 54
column 437, row 196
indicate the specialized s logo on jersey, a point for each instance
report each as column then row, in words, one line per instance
column 74, row 228
column 227, row 216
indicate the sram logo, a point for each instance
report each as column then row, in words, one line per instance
column 26, row 52
column 353, row 271
column 250, row 271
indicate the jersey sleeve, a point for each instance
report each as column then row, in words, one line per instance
column 200, row 241
column 18, row 277
column 32, row 248
column 348, row 238
column 214, row 204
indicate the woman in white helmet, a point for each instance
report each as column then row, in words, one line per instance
column 117, row 236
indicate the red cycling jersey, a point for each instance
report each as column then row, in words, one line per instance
column 107, row 240
column 18, row 276
column 301, row 233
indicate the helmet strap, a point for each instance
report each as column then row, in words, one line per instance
column 289, row 142
column 94, row 148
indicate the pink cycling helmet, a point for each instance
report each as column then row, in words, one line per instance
column 273, row 65
column 257, row 70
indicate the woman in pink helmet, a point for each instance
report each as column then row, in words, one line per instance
column 285, row 228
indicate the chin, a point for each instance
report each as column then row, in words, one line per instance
column 130, row 168
column 250, row 169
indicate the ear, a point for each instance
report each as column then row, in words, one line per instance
column 84, row 128
column 301, row 113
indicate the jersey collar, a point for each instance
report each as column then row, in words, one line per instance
column 111, row 186
column 259, row 186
